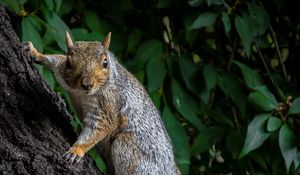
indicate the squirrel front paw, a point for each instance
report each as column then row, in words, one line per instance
column 28, row 47
column 73, row 155
column 31, row 51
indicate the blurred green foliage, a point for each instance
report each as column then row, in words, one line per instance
column 222, row 72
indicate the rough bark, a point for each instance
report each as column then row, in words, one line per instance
column 35, row 127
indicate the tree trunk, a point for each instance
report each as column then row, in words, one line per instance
column 35, row 127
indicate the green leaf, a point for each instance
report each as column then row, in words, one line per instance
column 186, row 105
column 164, row 3
column 93, row 21
column 189, row 71
column 30, row 32
column 134, row 39
column 57, row 29
column 49, row 4
column 214, row 2
column 220, row 118
column 48, row 76
column 150, row 49
column 81, row 34
column 274, row 124
column 264, row 90
column 297, row 159
column 234, row 143
column 156, row 72
column 260, row 160
column 210, row 76
column 261, row 101
column 205, row 19
column 118, row 40
column 53, row 5
column 40, row 68
column 227, row 23
column 191, row 36
column 75, row 122
column 297, row 171
column 14, row 6
column 196, row 3
column 205, row 95
column 243, row 28
column 263, row 98
column 261, row 16
column 232, row 88
column 206, row 138
column 251, row 77
column 179, row 139
column 36, row 22
column 295, row 107
column 66, row 7
column 287, row 144
column 140, row 75
column 256, row 134
column 98, row 160
column 156, row 98
column 58, row 4
column 52, row 50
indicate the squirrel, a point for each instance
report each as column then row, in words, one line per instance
column 116, row 110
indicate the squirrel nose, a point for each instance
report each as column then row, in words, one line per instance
column 87, row 83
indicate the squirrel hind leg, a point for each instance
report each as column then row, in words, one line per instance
column 125, row 154
column 129, row 159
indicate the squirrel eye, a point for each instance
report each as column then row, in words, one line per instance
column 68, row 64
column 105, row 63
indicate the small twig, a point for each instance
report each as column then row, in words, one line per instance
column 210, row 105
column 234, row 6
column 211, row 100
column 279, row 53
column 232, row 53
column 236, row 120
column 251, row 167
column 265, row 64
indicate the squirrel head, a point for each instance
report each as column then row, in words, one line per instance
column 86, row 67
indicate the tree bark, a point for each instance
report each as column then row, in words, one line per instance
column 35, row 126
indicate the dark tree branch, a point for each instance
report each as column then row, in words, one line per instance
column 34, row 124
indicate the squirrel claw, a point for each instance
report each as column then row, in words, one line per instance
column 31, row 51
column 71, row 158
column 25, row 46
column 28, row 47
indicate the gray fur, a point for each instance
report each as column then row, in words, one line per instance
column 140, row 147
column 146, row 125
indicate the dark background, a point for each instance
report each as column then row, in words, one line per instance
column 220, row 71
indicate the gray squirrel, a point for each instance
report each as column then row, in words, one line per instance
column 117, row 112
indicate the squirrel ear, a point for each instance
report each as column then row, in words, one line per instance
column 69, row 40
column 106, row 42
